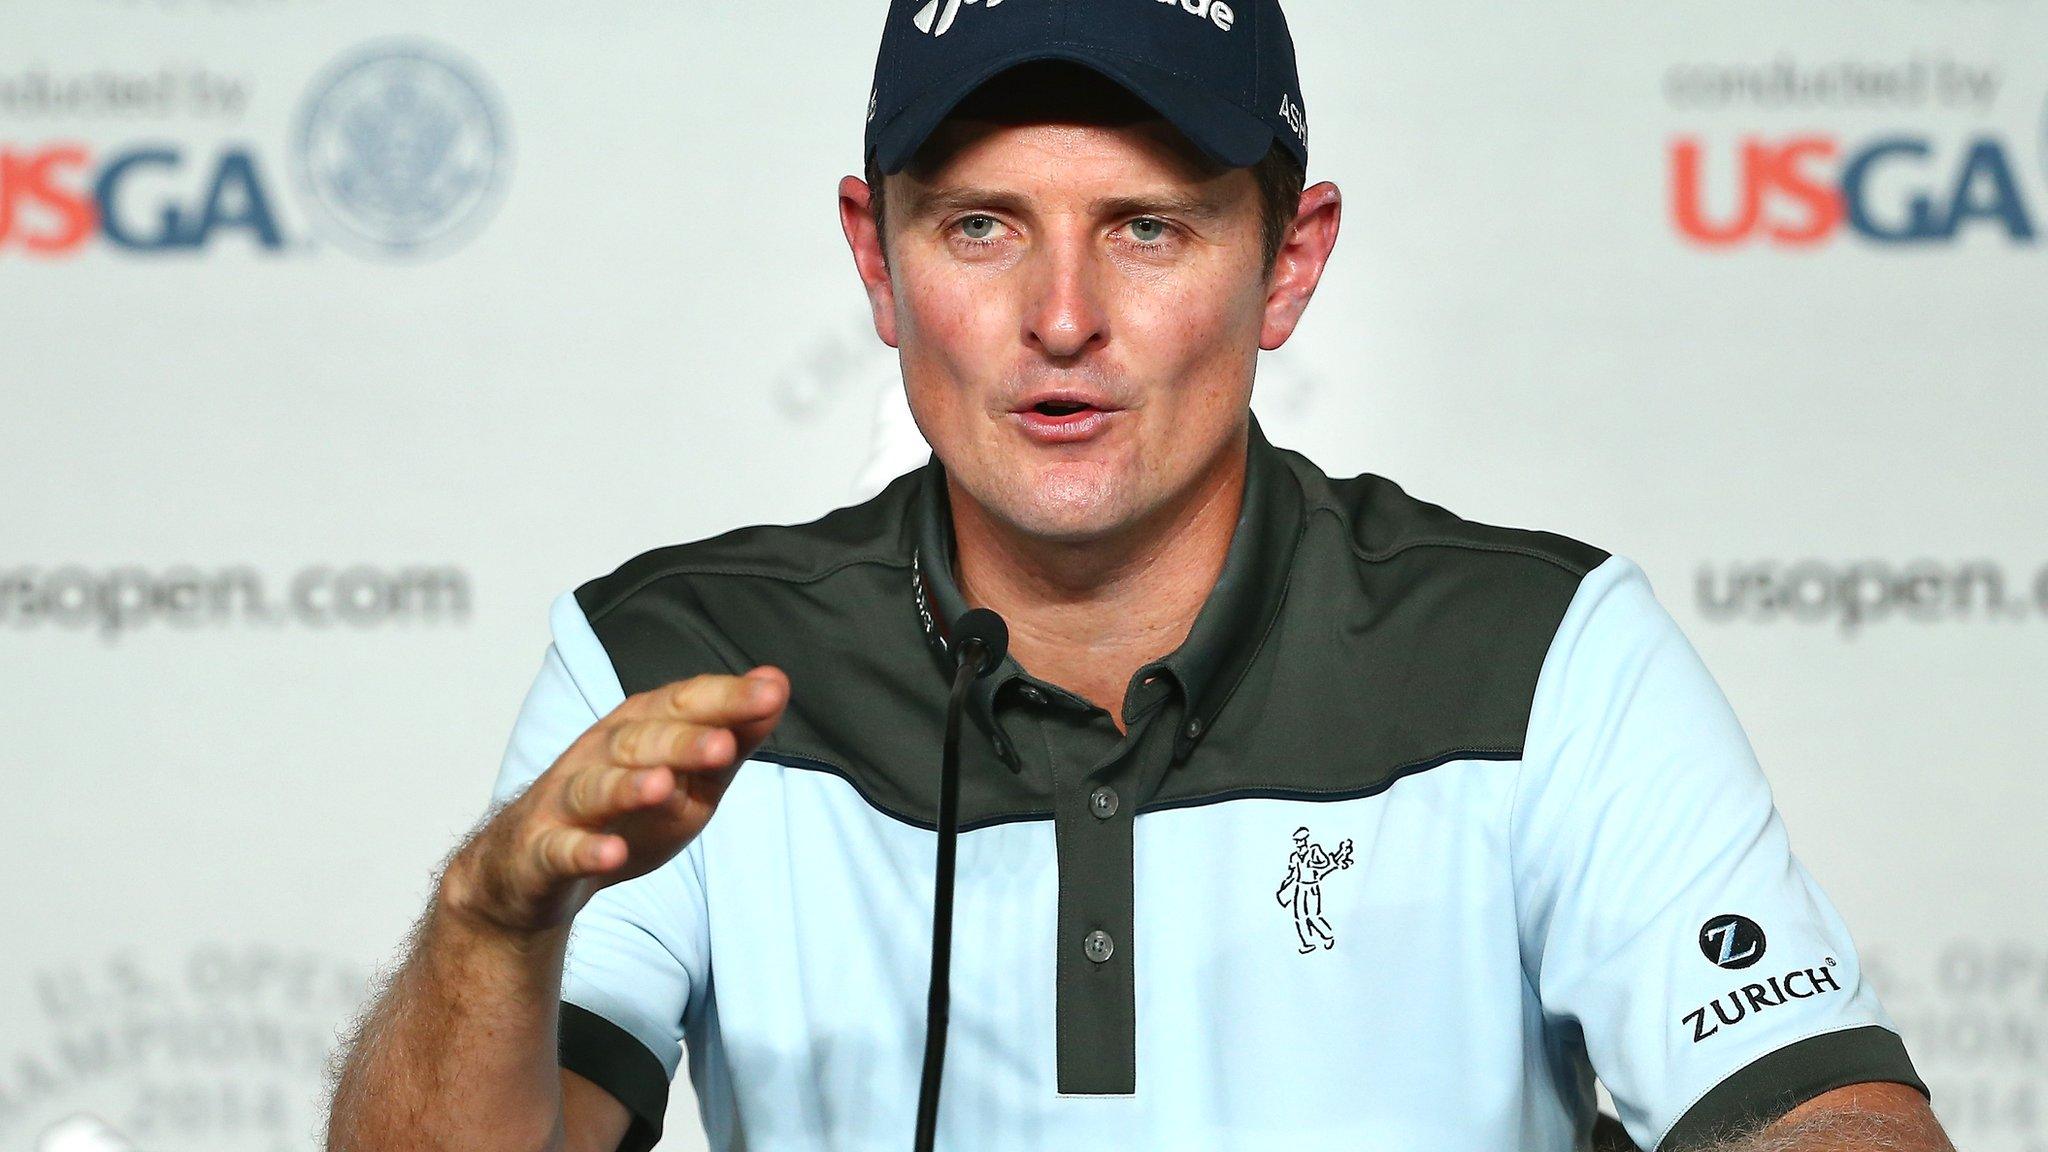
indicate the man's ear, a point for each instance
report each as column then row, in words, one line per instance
column 857, row 219
column 1299, row 265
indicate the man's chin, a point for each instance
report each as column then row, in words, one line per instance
column 1069, row 502
column 1064, row 520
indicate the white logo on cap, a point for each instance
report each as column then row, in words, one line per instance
column 1218, row 12
column 1295, row 117
column 923, row 19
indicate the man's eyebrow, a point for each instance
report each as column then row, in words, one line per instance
column 1162, row 203
column 937, row 201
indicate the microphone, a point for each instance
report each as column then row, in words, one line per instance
column 982, row 633
column 980, row 638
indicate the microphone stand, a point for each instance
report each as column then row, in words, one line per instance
column 983, row 637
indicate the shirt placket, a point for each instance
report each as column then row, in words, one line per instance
column 1095, row 781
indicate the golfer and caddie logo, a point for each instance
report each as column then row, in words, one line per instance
column 1302, row 891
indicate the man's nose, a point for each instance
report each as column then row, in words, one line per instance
column 1066, row 313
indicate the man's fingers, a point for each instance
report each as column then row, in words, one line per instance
column 566, row 852
column 749, row 734
column 657, row 742
column 631, row 764
column 721, row 701
column 596, row 796
column 709, row 721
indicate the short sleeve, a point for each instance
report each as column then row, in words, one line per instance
column 1662, row 910
column 638, row 949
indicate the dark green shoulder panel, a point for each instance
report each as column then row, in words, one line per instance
column 1384, row 521
column 1409, row 637
column 872, row 531
column 830, row 603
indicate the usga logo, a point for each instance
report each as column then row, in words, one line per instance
column 55, row 197
column 399, row 148
column 1801, row 191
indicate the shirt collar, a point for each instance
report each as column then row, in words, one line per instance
column 1228, row 631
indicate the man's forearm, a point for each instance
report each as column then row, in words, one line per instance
column 1843, row 1130
column 459, row 1050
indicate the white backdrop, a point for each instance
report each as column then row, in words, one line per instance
column 463, row 304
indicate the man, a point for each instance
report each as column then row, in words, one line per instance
column 1082, row 222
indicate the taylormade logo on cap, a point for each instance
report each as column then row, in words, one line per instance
column 1219, row 13
column 923, row 19
column 934, row 19
column 1220, row 71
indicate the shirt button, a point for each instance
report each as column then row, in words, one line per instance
column 1031, row 693
column 1194, row 727
column 1098, row 946
column 1102, row 802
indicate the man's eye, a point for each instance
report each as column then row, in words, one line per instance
column 978, row 227
column 1148, row 230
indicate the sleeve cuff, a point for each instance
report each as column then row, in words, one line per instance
column 610, row 1057
column 1779, row 1081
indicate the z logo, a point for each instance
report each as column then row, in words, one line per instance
column 1731, row 941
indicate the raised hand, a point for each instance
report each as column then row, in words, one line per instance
column 621, row 801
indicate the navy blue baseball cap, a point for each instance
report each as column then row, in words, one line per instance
column 1221, row 71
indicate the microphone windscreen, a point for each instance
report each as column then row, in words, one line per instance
column 983, row 625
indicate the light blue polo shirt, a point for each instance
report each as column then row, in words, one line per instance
column 1476, row 824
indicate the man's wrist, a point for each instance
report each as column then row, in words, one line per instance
column 459, row 910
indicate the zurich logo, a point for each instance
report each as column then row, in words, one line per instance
column 931, row 10
column 1732, row 941
column 402, row 148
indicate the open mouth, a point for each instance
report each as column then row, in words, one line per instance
column 1064, row 420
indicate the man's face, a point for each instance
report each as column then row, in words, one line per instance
column 1078, row 309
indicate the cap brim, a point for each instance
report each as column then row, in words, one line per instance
column 1223, row 131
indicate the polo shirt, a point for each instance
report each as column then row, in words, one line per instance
column 1426, row 823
